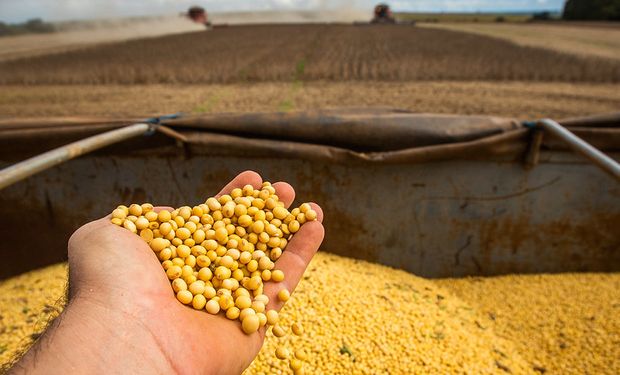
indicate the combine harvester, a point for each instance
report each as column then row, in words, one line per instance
column 436, row 195
column 382, row 15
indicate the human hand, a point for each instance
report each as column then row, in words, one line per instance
column 118, row 287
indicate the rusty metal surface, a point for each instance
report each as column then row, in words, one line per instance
column 436, row 219
column 447, row 209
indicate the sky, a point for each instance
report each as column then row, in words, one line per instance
column 58, row 10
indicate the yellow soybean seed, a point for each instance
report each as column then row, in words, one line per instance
column 250, row 324
column 178, row 285
column 243, row 302
column 174, row 272
column 266, row 275
column 203, row 261
column 185, row 296
column 311, row 215
column 226, row 301
column 191, row 226
column 185, row 212
column 151, row 216
column 277, row 276
column 245, row 312
column 130, row 226
column 178, row 262
column 274, row 242
column 158, row 244
column 248, row 190
column 199, row 301
column 278, row 331
column 221, row 235
column 284, row 295
column 236, row 192
column 227, row 261
column 230, row 284
column 189, row 279
column 205, row 274
column 164, row 216
column 264, row 263
column 275, row 253
column 258, row 306
column 280, row 212
column 187, row 271
column 233, row 313
column 225, row 199
column 210, row 292
column 296, row 364
column 262, row 298
column 165, row 228
column 213, row 306
column 135, row 210
column 117, row 221
column 222, row 273
column 293, row 226
column 119, row 214
column 183, row 251
column 282, row 352
column 197, row 287
column 190, row 260
column 183, row 233
column 301, row 355
column 272, row 317
column 165, row 254
column 297, row 329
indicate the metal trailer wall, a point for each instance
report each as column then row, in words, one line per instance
column 435, row 219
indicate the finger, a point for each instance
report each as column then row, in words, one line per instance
column 294, row 260
column 242, row 179
column 285, row 193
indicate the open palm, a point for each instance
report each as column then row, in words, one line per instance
column 116, row 270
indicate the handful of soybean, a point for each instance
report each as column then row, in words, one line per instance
column 219, row 254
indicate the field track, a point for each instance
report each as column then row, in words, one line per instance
column 309, row 53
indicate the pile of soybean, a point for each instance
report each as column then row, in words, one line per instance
column 364, row 318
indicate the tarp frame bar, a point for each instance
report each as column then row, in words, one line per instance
column 582, row 147
column 39, row 163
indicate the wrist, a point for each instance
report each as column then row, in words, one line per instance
column 91, row 337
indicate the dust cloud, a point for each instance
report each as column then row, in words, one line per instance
column 77, row 34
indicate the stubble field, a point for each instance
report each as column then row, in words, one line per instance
column 269, row 53
column 296, row 67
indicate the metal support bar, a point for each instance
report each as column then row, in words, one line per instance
column 606, row 163
column 27, row 168
column 533, row 153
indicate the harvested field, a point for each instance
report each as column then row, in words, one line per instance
column 523, row 100
column 309, row 53
column 586, row 40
